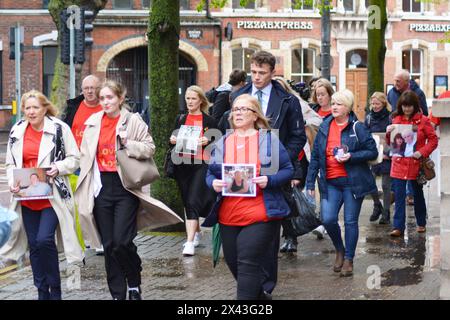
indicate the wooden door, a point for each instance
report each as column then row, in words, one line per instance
column 356, row 81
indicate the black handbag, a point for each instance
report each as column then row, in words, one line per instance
column 307, row 220
column 169, row 166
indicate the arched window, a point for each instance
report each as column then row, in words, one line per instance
column 302, row 64
column 412, row 60
column 356, row 59
column 241, row 58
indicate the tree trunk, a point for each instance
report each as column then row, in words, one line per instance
column 376, row 46
column 163, row 37
column 60, row 84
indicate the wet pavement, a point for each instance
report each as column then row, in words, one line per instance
column 384, row 267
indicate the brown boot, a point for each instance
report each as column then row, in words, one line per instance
column 347, row 268
column 339, row 261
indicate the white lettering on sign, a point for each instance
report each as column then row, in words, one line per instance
column 426, row 27
column 275, row 25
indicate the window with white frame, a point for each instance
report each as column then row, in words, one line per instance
column 45, row 4
column 241, row 58
column 302, row 64
column 412, row 60
column 251, row 4
column 349, row 5
column 185, row 5
column 412, row 6
column 146, row 4
column 122, row 4
column 48, row 63
column 302, row 4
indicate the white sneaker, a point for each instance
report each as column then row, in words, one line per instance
column 99, row 251
column 319, row 232
column 189, row 249
column 197, row 238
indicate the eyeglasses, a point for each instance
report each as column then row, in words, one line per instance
column 242, row 110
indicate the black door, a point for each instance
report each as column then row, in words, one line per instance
column 130, row 68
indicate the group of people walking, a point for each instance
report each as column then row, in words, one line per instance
column 264, row 123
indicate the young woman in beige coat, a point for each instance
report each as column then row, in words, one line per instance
column 32, row 143
column 108, row 211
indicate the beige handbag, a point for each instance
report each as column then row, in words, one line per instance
column 135, row 173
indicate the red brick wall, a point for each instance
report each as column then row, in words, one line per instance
column 28, row 4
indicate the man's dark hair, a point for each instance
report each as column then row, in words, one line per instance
column 407, row 98
column 261, row 57
column 314, row 79
column 237, row 76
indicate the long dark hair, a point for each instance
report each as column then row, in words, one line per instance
column 394, row 144
column 407, row 98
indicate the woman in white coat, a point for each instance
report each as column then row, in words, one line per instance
column 108, row 211
column 41, row 140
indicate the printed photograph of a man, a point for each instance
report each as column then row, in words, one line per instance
column 34, row 184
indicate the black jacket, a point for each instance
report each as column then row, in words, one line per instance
column 71, row 109
column 285, row 114
column 394, row 94
column 221, row 104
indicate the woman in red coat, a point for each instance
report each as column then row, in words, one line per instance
column 407, row 168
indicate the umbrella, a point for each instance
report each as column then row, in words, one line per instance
column 216, row 243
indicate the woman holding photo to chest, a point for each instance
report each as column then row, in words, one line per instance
column 249, row 224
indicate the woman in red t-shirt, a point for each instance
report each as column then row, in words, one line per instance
column 249, row 224
column 32, row 145
column 323, row 90
column 191, row 169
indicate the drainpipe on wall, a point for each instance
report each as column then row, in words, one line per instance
column 208, row 16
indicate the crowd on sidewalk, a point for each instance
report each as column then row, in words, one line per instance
column 236, row 154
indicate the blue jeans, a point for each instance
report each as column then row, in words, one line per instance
column 420, row 209
column 409, row 189
column 40, row 227
column 340, row 193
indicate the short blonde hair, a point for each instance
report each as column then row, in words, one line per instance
column 204, row 101
column 380, row 96
column 262, row 122
column 344, row 97
column 322, row 82
column 42, row 99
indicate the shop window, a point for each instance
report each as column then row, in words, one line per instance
column 45, row 4
column 412, row 6
column 122, row 4
column 250, row 5
column 48, row 64
column 185, row 5
column 349, row 5
column 302, row 65
column 241, row 58
column 412, row 61
column 356, row 59
column 302, row 4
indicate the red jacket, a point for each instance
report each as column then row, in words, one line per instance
column 408, row 168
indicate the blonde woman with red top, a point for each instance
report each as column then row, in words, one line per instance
column 248, row 225
column 191, row 169
column 32, row 144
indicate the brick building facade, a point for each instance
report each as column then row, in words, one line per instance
column 207, row 55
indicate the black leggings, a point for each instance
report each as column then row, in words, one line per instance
column 244, row 249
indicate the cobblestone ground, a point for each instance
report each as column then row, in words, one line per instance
column 385, row 268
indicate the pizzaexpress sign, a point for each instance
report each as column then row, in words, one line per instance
column 275, row 25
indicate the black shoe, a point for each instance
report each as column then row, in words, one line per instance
column 134, row 295
column 377, row 211
column 285, row 245
column 265, row 296
column 292, row 246
column 385, row 217
column 43, row 294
